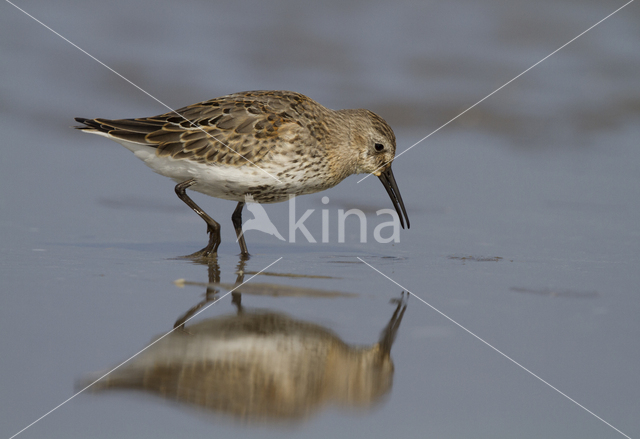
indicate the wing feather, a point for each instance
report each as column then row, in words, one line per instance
column 229, row 130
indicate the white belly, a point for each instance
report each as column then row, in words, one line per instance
column 229, row 182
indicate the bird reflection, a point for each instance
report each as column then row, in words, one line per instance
column 261, row 366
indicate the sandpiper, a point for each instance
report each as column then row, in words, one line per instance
column 268, row 144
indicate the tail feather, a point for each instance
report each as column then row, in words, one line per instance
column 88, row 124
column 132, row 130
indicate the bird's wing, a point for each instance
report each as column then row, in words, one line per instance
column 230, row 130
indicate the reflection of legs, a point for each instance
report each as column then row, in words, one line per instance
column 236, row 218
column 236, row 296
column 213, row 228
column 389, row 333
column 209, row 295
column 213, row 273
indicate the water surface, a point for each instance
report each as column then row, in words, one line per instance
column 524, row 211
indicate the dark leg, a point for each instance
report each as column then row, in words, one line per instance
column 236, row 218
column 213, row 228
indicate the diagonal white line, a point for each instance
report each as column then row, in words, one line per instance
column 139, row 352
column 141, row 89
column 498, row 89
column 496, row 349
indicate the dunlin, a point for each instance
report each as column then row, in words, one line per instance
column 269, row 144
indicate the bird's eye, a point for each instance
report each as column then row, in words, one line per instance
column 378, row 146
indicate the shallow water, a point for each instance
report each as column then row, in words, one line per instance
column 524, row 212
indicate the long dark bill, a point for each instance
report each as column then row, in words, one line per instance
column 389, row 183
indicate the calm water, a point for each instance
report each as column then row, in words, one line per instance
column 524, row 217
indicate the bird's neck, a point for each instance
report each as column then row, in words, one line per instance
column 345, row 144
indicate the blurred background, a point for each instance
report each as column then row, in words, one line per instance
column 524, row 211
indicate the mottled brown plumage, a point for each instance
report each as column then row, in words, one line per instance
column 269, row 144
